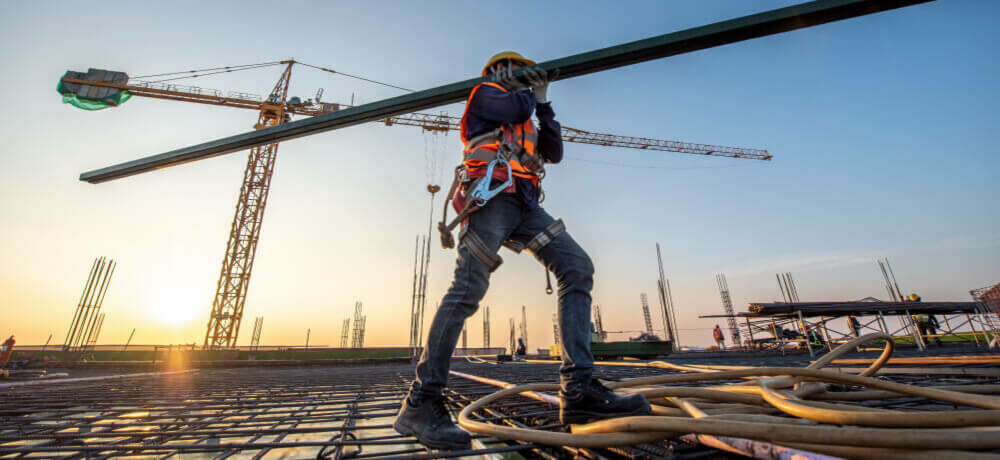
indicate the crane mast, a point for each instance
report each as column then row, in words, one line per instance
column 237, row 264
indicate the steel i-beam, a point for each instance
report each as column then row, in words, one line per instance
column 685, row 41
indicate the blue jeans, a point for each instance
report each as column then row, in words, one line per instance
column 507, row 217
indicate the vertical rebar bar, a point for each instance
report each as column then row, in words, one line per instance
column 127, row 342
column 74, row 324
column 894, row 283
column 781, row 287
column 85, row 318
column 420, row 291
column 673, row 317
column 805, row 332
column 413, row 301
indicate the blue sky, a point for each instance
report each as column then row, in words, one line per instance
column 881, row 129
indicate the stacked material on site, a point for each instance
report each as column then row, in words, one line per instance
column 812, row 411
column 861, row 307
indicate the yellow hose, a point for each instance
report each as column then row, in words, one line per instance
column 739, row 411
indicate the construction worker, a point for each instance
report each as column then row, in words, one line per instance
column 812, row 335
column 855, row 326
column 720, row 339
column 6, row 350
column 498, row 116
column 522, row 349
column 928, row 325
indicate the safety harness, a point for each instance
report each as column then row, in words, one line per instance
column 474, row 196
column 478, row 192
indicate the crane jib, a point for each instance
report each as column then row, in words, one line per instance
column 685, row 41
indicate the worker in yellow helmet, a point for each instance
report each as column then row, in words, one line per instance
column 497, row 191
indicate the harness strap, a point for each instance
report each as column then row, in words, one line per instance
column 479, row 251
column 546, row 236
column 491, row 136
column 444, row 228
column 514, row 245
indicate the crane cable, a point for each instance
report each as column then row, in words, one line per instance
column 354, row 76
column 747, row 410
column 217, row 70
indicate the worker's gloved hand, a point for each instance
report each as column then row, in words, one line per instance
column 506, row 79
column 539, row 81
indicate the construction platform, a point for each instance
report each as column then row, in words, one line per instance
column 347, row 411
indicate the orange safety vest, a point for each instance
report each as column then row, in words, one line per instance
column 717, row 333
column 478, row 154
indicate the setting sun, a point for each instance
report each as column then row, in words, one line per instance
column 176, row 306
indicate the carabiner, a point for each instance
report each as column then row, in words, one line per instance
column 481, row 191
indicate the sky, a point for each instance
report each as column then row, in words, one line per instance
column 881, row 129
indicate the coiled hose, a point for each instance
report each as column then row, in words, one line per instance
column 753, row 409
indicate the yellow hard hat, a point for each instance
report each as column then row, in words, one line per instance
column 914, row 297
column 512, row 55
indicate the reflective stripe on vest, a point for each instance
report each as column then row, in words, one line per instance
column 478, row 153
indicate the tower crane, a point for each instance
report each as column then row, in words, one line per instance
column 275, row 109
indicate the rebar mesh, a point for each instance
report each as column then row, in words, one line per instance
column 298, row 412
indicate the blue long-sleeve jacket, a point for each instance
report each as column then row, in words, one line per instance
column 490, row 108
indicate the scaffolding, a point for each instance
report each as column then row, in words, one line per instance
column 599, row 323
column 727, row 306
column 989, row 308
column 345, row 332
column 817, row 325
column 645, row 313
column 358, row 338
column 258, row 326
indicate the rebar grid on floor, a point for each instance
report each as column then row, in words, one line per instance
column 317, row 412
column 288, row 412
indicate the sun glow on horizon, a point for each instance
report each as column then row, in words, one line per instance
column 176, row 306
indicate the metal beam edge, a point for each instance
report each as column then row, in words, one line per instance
column 685, row 41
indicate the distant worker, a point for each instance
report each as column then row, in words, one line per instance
column 814, row 337
column 497, row 131
column 928, row 326
column 522, row 349
column 6, row 350
column 852, row 323
column 720, row 339
column 914, row 298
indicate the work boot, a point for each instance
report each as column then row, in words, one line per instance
column 592, row 400
column 431, row 424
